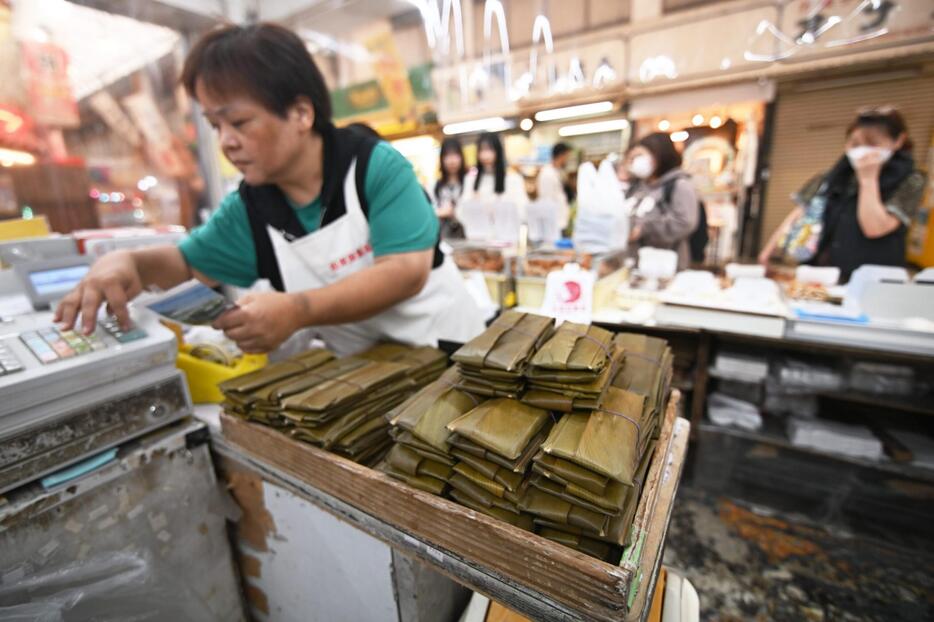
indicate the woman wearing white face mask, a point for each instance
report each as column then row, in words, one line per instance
column 664, row 202
column 858, row 212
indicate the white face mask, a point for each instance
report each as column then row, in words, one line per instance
column 855, row 154
column 642, row 166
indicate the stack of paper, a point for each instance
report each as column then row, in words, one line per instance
column 725, row 410
column 855, row 441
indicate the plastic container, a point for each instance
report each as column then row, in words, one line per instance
column 204, row 376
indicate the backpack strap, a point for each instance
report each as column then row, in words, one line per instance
column 668, row 189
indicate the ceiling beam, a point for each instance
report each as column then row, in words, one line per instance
column 185, row 17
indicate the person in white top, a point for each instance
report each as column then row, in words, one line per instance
column 550, row 184
column 491, row 180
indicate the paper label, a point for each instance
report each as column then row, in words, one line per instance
column 569, row 295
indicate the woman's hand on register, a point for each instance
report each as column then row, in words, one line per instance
column 118, row 277
column 114, row 280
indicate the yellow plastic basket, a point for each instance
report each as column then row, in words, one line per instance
column 204, row 376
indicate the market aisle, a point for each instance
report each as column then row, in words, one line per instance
column 747, row 566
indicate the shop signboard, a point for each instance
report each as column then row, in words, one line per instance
column 51, row 101
column 832, row 27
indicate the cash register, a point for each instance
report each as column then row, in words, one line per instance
column 65, row 396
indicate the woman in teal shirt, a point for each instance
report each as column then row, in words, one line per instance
column 335, row 220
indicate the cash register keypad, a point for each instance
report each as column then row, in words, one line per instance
column 112, row 326
column 9, row 364
column 51, row 344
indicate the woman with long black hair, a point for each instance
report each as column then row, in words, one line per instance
column 492, row 180
column 450, row 187
column 859, row 211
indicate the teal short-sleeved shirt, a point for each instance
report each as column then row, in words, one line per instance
column 401, row 221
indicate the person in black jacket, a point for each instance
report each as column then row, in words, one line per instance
column 859, row 211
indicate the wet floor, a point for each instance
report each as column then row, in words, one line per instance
column 750, row 565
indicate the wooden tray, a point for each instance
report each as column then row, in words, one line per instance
column 526, row 572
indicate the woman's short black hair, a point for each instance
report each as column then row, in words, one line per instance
column 267, row 62
column 885, row 118
column 491, row 140
column 450, row 145
column 663, row 151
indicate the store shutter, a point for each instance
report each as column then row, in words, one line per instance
column 810, row 125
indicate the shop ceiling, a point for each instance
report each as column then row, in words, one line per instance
column 648, row 55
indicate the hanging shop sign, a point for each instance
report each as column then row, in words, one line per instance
column 584, row 72
column 391, row 74
column 686, row 50
column 17, row 129
column 811, row 28
column 160, row 145
column 11, row 86
column 358, row 99
column 368, row 101
column 110, row 111
column 51, row 101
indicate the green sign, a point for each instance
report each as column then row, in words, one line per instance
column 368, row 97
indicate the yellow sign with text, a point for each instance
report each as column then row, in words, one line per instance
column 392, row 74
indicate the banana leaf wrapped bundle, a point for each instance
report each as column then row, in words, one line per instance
column 557, row 513
column 578, row 542
column 610, row 440
column 467, row 481
column 570, row 397
column 339, row 404
column 427, row 413
column 242, row 392
column 406, row 438
column 574, row 354
column 521, row 520
column 365, row 440
column 425, row 363
column 337, row 387
column 493, row 363
column 416, row 470
column 493, row 473
column 648, row 371
column 502, row 431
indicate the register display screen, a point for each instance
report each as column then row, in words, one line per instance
column 57, row 280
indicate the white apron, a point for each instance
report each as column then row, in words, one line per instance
column 442, row 310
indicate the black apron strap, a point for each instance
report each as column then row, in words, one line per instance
column 267, row 205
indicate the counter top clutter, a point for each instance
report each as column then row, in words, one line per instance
column 551, row 430
column 335, row 403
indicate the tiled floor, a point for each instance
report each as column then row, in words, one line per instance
column 750, row 566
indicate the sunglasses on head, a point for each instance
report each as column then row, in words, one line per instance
column 876, row 111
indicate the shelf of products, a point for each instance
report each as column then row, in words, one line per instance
column 773, row 434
